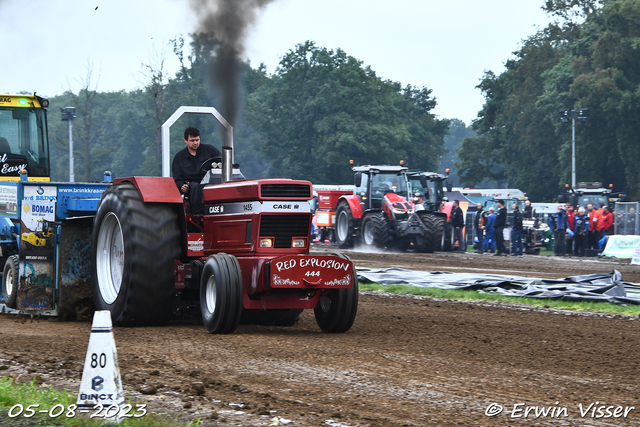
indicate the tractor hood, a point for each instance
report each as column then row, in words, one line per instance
column 257, row 190
column 396, row 205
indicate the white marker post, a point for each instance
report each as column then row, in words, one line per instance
column 101, row 383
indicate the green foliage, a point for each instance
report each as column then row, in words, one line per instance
column 318, row 110
column 569, row 65
column 323, row 107
column 458, row 131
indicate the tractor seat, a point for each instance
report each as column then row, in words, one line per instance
column 4, row 146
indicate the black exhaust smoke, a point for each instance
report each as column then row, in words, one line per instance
column 229, row 22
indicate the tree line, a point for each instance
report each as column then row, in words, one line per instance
column 319, row 109
column 589, row 57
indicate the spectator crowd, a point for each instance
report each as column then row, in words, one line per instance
column 573, row 231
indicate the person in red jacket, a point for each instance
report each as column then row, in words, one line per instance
column 592, row 235
column 570, row 220
column 605, row 224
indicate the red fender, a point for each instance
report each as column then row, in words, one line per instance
column 155, row 189
column 161, row 190
column 354, row 204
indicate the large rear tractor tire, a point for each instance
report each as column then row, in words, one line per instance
column 375, row 231
column 337, row 308
column 344, row 225
column 134, row 245
column 10, row 281
column 429, row 242
column 221, row 294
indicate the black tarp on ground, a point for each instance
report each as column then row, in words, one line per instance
column 592, row 287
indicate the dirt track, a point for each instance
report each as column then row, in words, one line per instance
column 406, row 361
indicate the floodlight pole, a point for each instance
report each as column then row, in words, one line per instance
column 71, row 174
column 573, row 152
column 581, row 115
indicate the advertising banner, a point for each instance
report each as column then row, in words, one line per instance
column 37, row 230
column 623, row 247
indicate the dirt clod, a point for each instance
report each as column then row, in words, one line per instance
column 198, row 388
column 148, row 389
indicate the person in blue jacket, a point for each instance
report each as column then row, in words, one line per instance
column 489, row 231
column 580, row 229
column 558, row 223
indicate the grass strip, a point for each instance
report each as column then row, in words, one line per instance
column 457, row 294
column 45, row 397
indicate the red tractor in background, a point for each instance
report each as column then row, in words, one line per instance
column 246, row 257
column 386, row 210
column 428, row 195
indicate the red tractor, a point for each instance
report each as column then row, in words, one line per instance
column 428, row 195
column 246, row 257
column 382, row 213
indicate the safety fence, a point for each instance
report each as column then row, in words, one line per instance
column 626, row 221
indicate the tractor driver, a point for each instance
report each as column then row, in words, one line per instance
column 186, row 167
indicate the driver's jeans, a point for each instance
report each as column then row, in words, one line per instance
column 196, row 197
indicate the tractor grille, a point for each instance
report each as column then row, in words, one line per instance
column 280, row 191
column 283, row 228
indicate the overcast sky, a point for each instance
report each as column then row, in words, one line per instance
column 444, row 45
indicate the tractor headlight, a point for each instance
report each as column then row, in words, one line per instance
column 402, row 211
column 298, row 243
column 266, row 243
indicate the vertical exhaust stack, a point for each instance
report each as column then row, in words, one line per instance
column 227, row 154
column 227, row 164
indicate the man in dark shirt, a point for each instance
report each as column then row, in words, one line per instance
column 528, row 212
column 186, row 167
column 516, row 231
column 457, row 222
column 499, row 224
column 558, row 223
column 478, row 223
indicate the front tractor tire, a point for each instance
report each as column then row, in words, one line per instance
column 430, row 241
column 375, row 231
column 134, row 245
column 336, row 309
column 221, row 294
column 344, row 225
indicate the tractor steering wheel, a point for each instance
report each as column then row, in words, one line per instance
column 206, row 166
column 384, row 188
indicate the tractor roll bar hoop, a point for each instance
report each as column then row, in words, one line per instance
column 227, row 160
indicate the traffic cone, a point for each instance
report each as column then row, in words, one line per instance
column 101, row 383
